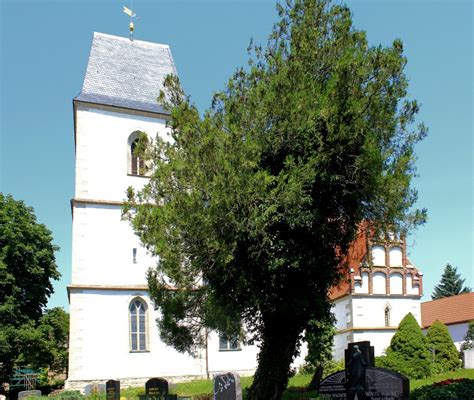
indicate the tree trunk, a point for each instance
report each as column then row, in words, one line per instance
column 316, row 379
column 274, row 360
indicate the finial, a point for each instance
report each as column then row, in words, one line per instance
column 132, row 15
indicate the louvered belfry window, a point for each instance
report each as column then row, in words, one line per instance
column 138, row 165
column 138, row 339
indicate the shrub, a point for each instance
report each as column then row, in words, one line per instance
column 451, row 389
column 408, row 352
column 69, row 395
column 445, row 355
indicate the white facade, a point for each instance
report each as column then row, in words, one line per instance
column 363, row 317
column 109, row 266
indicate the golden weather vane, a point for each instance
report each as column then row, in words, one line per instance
column 132, row 15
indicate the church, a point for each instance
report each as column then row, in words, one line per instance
column 113, row 334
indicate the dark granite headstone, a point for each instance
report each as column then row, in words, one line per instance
column 227, row 387
column 112, row 390
column 157, row 389
column 361, row 380
column 28, row 393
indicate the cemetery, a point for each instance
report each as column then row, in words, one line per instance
column 359, row 380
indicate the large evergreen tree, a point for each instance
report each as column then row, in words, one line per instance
column 451, row 284
column 27, row 267
column 408, row 352
column 252, row 207
column 445, row 354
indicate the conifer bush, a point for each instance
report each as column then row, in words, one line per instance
column 444, row 352
column 408, row 352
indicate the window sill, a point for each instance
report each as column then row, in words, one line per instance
column 139, row 176
column 227, row 350
column 139, row 351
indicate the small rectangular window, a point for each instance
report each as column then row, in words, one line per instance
column 232, row 344
column 134, row 255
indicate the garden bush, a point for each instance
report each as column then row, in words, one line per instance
column 450, row 389
column 445, row 354
column 408, row 352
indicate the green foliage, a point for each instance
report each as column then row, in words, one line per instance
column 27, row 266
column 451, row 284
column 261, row 198
column 408, row 352
column 462, row 389
column 468, row 342
column 445, row 354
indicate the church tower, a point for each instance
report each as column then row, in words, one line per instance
column 113, row 334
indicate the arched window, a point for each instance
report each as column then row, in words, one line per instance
column 137, row 166
column 387, row 314
column 138, row 325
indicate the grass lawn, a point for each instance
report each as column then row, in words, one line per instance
column 295, row 386
column 294, row 391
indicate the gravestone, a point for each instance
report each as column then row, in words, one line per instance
column 227, row 387
column 361, row 380
column 112, row 390
column 157, row 389
column 28, row 393
column 94, row 388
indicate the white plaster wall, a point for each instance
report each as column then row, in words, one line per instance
column 395, row 255
column 243, row 361
column 103, row 248
column 412, row 288
column 341, row 340
column 101, row 152
column 378, row 256
column 469, row 359
column 379, row 339
column 342, row 312
column 379, row 283
column 370, row 311
column 396, row 283
column 100, row 344
column 458, row 332
column 362, row 286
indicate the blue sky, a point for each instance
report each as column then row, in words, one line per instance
column 44, row 51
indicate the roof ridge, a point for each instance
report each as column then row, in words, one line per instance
column 126, row 39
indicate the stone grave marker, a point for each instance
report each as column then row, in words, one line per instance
column 361, row 380
column 157, row 389
column 94, row 388
column 227, row 387
column 112, row 389
column 28, row 393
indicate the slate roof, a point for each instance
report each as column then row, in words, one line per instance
column 125, row 73
column 449, row 310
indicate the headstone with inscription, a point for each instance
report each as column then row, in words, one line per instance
column 29, row 393
column 157, row 389
column 112, row 390
column 227, row 387
column 361, row 380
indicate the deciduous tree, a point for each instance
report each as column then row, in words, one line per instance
column 252, row 207
column 27, row 267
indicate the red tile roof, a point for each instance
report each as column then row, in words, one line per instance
column 449, row 310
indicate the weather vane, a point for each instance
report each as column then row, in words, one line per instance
column 132, row 15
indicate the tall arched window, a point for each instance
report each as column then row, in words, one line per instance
column 137, row 164
column 138, row 328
